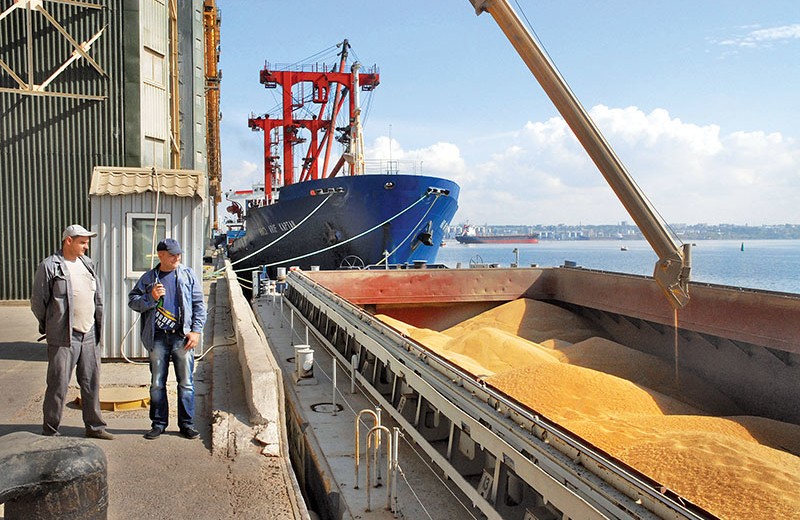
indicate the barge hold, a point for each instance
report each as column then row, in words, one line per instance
column 540, row 397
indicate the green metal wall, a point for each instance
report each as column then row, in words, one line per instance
column 49, row 145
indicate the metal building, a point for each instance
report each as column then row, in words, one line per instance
column 83, row 84
column 126, row 204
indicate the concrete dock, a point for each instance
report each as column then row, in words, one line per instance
column 238, row 467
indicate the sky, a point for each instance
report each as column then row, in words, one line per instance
column 699, row 99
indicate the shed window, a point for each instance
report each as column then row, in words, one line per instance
column 140, row 240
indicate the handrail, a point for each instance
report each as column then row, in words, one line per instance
column 391, row 465
column 376, row 417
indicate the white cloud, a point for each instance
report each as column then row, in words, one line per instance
column 764, row 37
column 242, row 176
column 439, row 159
column 541, row 175
column 690, row 173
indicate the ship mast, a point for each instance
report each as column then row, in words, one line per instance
column 337, row 100
column 319, row 129
column 356, row 144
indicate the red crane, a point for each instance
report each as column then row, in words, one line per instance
column 290, row 129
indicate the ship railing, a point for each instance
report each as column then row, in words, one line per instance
column 393, row 167
column 315, row 67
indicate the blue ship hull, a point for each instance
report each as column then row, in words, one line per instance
column 346, row 222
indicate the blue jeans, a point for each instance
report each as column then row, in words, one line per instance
column 166, row 347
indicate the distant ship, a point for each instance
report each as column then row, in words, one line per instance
column 314, row 210
column 469, row 236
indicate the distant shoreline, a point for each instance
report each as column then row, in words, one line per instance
column 625, row 231
column 642, row 239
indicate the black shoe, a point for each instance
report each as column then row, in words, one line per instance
column 155, row 433
column 99, row 434
column 190, row 433
column 51, row 434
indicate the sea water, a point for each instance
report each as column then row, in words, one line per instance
column 772, row 265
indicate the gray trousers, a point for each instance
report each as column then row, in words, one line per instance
column 84, row 354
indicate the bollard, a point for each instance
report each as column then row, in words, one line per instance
column 304, row 362
column 255, row 285
column 291, row 327
column 394, row 465
column 378, row 444
column 52, row 478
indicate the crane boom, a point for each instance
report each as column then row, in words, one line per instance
column 673, row 266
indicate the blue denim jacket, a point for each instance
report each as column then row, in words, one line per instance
column 190, row 296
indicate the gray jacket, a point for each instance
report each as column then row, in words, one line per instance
column 51, row 300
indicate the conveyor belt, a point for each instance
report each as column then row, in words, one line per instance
column 507, row 460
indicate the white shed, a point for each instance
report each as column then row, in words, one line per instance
column 126, row 204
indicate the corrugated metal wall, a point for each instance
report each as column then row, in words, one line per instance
column 155, row 89
column 111, row 253
column 49, row 145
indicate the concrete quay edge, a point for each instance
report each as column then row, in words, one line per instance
column 263, row 382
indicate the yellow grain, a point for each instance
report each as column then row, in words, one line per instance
column 690, row 439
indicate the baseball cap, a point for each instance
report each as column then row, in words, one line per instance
column 76, row 230
column 169, row 245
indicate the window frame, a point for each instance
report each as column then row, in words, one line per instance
column 130, row 220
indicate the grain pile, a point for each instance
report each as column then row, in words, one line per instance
column 532, row 320
column 691, row 438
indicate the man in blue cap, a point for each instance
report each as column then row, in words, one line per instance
column 170, row 298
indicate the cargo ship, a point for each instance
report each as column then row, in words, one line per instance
column 468, row 235
column 326, row 213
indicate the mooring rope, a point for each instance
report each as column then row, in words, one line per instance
column 218, row 271
column 413, row 230
column 338, row 244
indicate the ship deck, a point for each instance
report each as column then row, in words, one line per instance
column 326, row 440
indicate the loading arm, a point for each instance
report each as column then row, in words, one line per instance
column 673, row 266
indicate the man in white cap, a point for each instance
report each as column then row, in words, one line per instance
column 66, row 299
